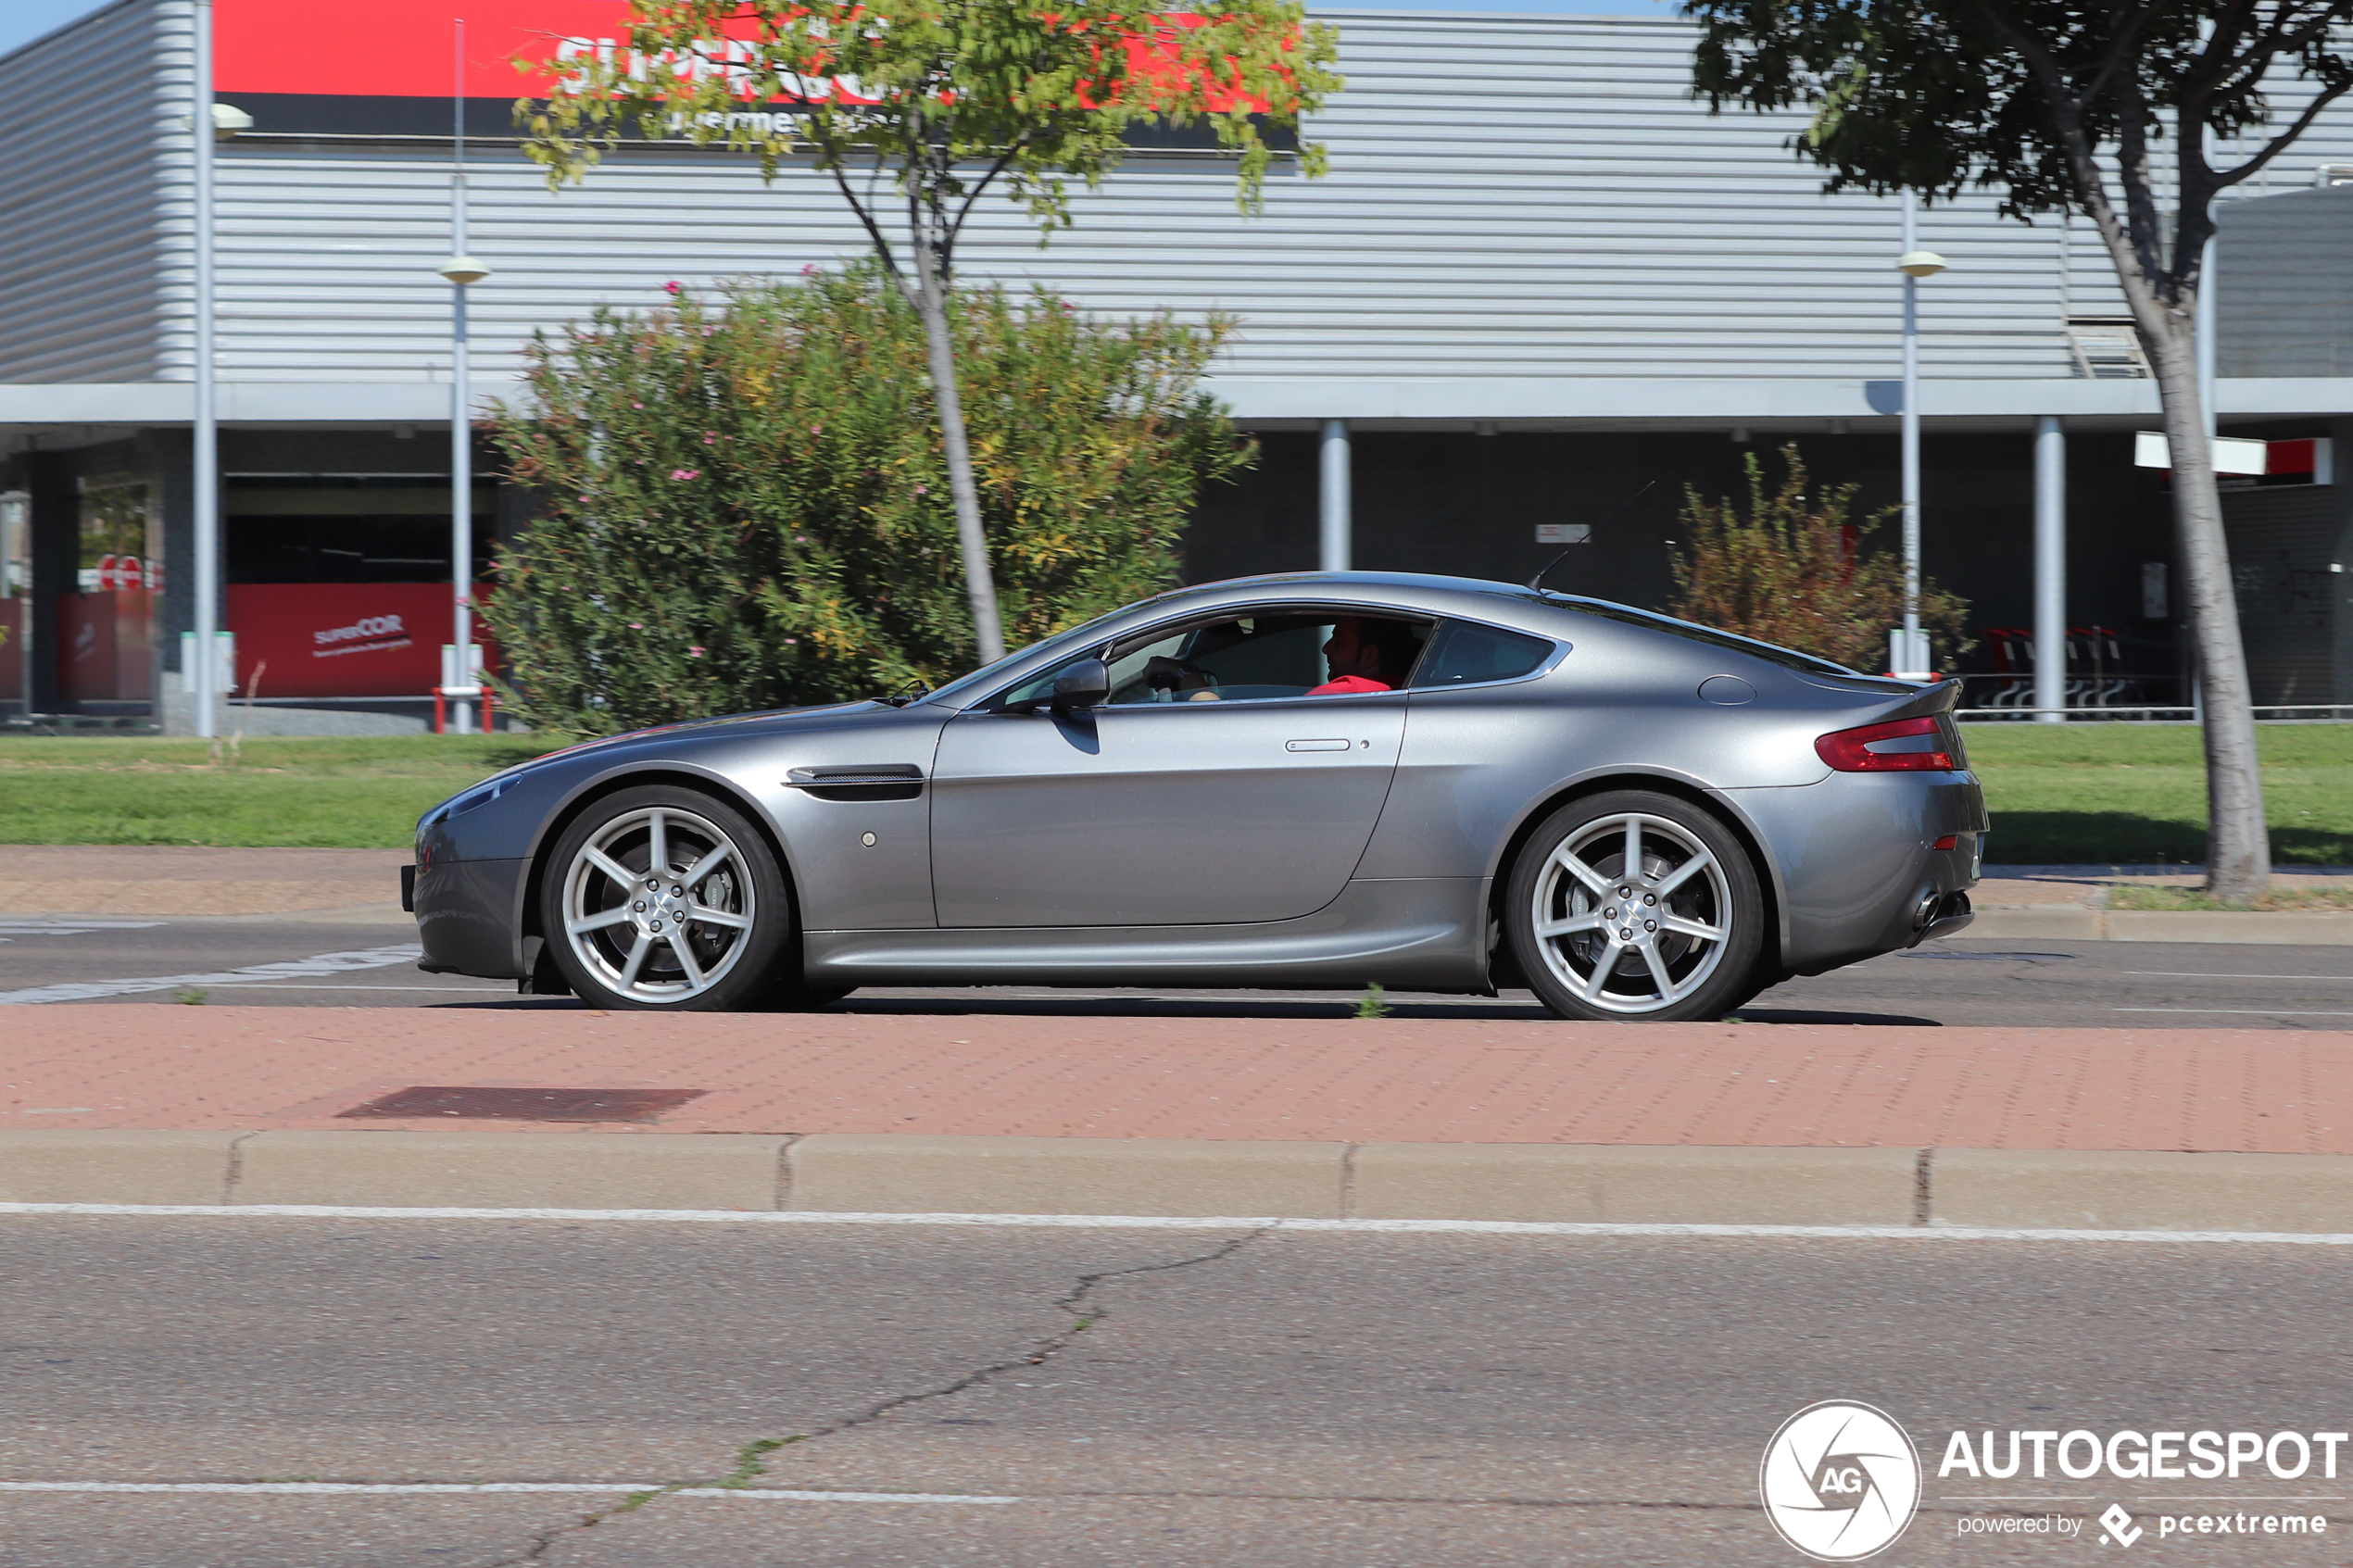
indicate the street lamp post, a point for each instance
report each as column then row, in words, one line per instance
column 206, row 431
column 1909, row 653
column 462, row 270
column 207, row 122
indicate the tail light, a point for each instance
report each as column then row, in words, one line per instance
column 1898, row 745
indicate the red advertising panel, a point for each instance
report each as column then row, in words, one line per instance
column 15, row 626
column 344, row 639
column 398, row 48
column 390, row 68
column 106, row 646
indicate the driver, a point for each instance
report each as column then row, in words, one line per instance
column 1365, row 653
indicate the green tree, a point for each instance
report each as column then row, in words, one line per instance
column 2068, row 105
column 916, row 108
column 745, row 499
column 1795, row 571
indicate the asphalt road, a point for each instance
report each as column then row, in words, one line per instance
column 2145, row 985
column 1290, row 1399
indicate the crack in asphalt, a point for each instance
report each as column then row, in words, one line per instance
column 750, row 1459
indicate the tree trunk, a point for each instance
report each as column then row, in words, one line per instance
column 980, row 584
column 2238, row 844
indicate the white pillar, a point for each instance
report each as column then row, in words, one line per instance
column 2206, row 335
column 1337, row 517
column 206, row 580
column 2050, row 569
column 461, row 451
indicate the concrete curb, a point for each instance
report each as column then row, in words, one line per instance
column 2066, row 923
column 912, row 1174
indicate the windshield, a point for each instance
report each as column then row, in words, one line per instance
column 965, row 688
column 1789, row 658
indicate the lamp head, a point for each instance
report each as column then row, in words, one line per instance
column 464, row 270
column 228, row 119
column 1919, row 263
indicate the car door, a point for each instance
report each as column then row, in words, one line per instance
column 1211, row 792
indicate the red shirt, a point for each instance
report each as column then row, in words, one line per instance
column 1348, row 683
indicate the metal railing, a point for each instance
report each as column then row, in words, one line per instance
column 2166, row 713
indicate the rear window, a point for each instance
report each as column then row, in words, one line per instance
column 1771, row 653
column 1464, row 652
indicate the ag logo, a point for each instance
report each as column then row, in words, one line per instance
column 1840, row 1481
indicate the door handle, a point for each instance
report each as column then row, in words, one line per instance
column 1318, row 745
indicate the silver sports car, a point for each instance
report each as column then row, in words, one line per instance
column 1317, row 780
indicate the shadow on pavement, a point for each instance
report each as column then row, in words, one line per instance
column 1175, row 1006
column 969, row 1004
column 1806, row 1015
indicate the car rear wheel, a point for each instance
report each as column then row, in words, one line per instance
column 664, row 898
column 1635, row 905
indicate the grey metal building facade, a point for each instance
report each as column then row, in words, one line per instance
column 1538, row 275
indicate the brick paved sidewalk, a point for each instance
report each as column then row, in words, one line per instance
column 1438, row 1081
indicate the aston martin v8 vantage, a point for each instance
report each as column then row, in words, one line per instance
column 1317, row 780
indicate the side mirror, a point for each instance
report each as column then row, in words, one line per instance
column 1085, row 684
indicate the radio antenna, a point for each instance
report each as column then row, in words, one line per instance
column 1537, row 581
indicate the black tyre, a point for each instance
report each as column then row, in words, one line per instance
column 1634, row 905
column 665, row 898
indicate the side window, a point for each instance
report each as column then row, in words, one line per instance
column 1281, row 653
column 1231, row 660
column 1464, row 652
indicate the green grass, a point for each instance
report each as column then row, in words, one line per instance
column 330, row 793
column 2135, row 795
column 2061, row 793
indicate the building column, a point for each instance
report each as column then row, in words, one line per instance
column 2050, row 569
column 1336, row 514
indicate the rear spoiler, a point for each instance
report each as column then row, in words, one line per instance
column 1942, row 697
column 1904, row 699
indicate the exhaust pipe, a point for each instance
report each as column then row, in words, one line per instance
column 1940, row 915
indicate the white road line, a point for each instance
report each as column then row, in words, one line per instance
column 1166, row 1223
column 460, row 1488
column 2244, row 1012
column 72, row 928
column 2200, row 974
column 320, row 964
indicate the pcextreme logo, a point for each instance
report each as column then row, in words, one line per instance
column 1840, row 1481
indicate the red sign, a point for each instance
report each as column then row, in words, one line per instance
column 344, row 639
column 405, row 49
column 400, row 48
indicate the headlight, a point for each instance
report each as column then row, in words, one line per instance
column 481, row 794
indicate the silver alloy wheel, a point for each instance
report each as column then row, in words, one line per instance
column 658, row 905
column 1631, row 913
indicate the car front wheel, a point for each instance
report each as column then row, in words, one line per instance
column 1635, row 905
column 664, row 898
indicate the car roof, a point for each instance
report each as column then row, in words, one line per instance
column 1426, row 592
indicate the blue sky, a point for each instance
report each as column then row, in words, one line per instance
column 21, row 21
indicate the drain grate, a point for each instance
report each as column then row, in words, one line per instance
column 427, row 1100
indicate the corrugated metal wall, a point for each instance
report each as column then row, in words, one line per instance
column 2282, row 542
column 1511, row 195
column 2287, row 304
column 90, row 123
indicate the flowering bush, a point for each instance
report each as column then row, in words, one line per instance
column 1796, row 571
column 745, row 504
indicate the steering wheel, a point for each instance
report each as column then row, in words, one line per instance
column 1165, row 674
